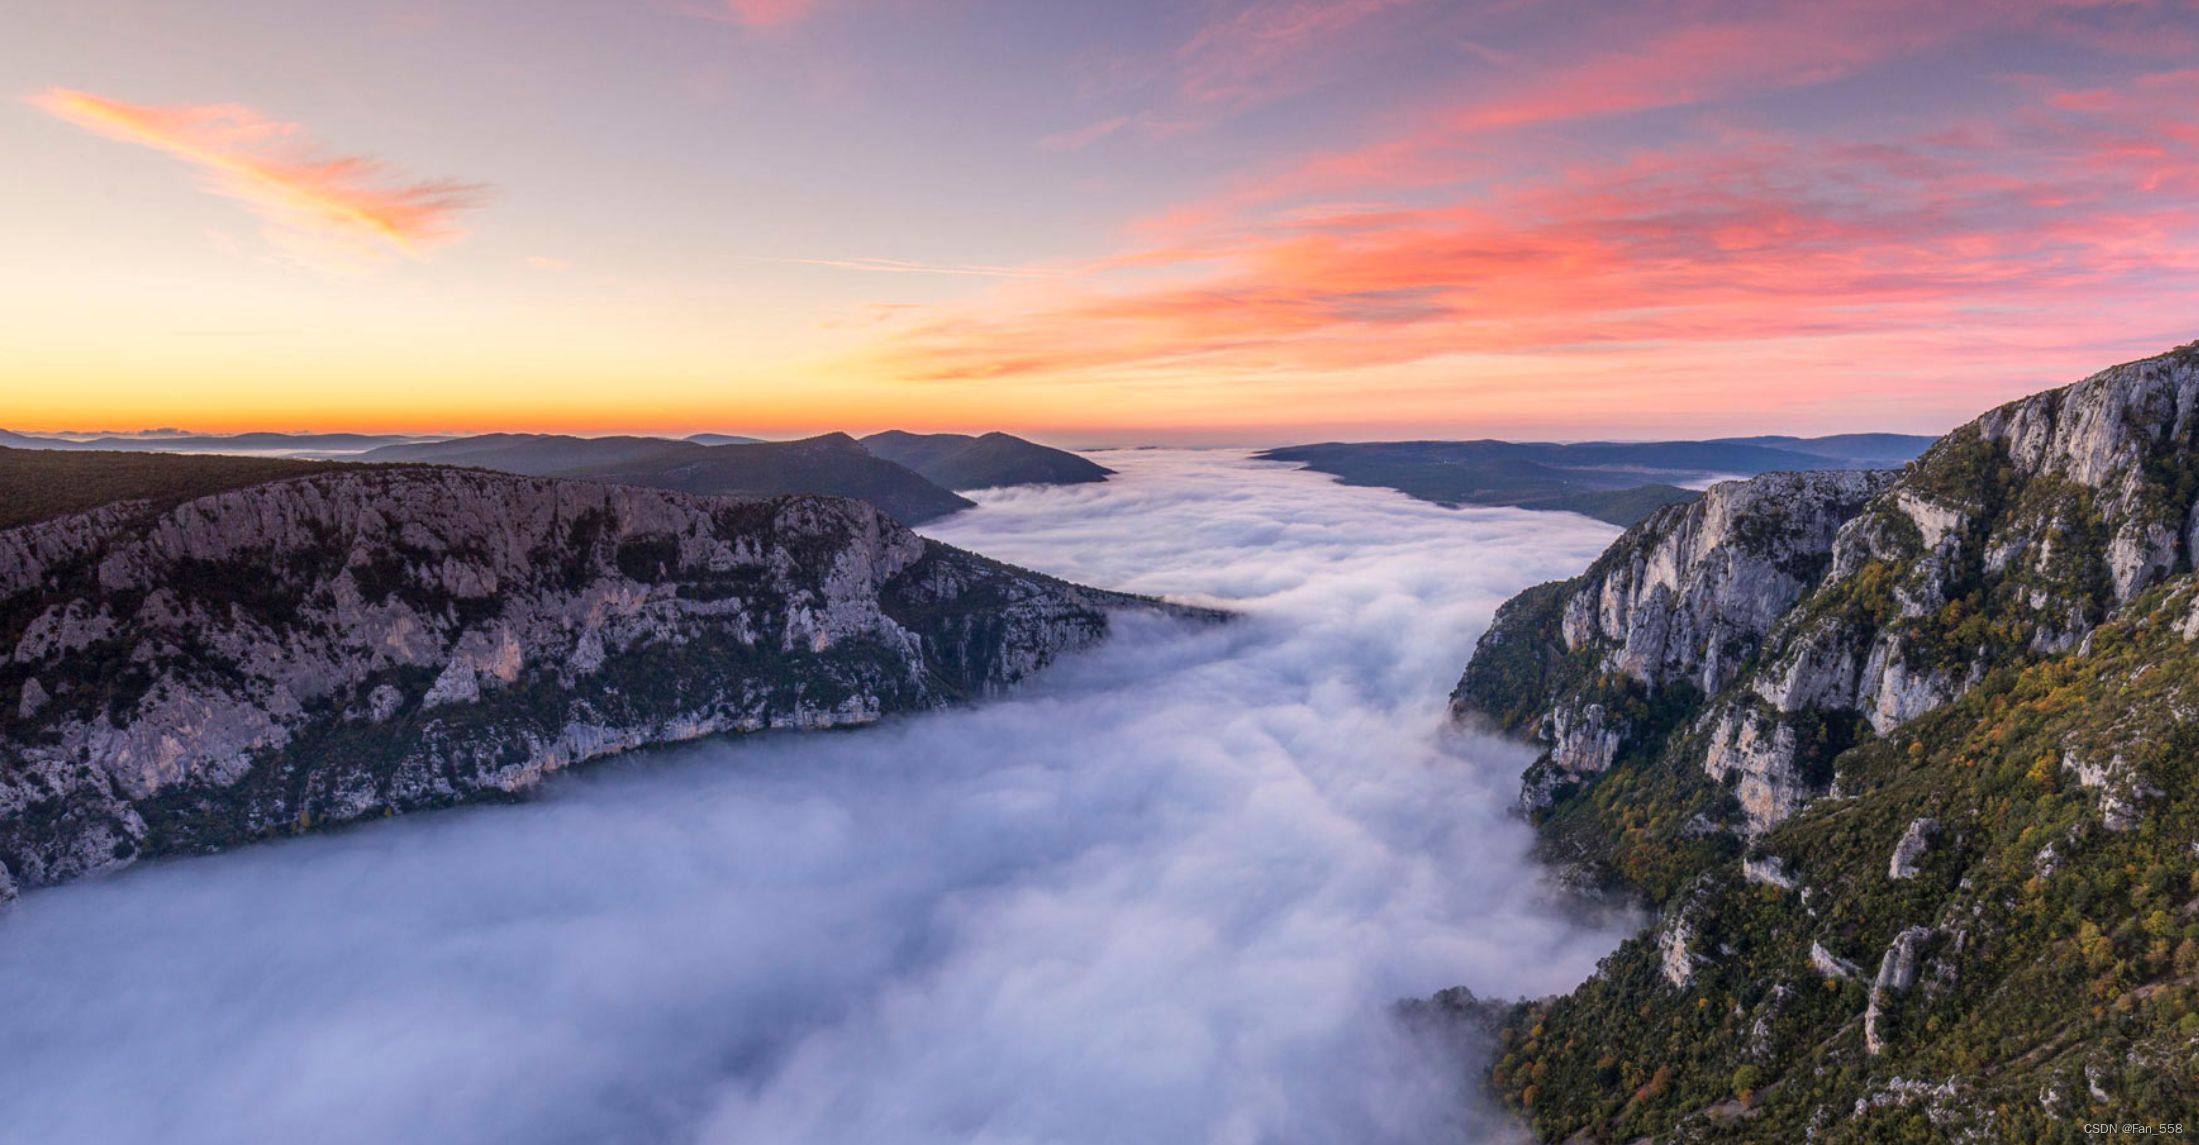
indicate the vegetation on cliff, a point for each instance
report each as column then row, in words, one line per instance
column 366, row 640
column 1921, row 838
column 43, row 483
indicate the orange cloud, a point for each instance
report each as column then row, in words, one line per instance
column 2077, row 214
column 337, row 211
column 899, row 266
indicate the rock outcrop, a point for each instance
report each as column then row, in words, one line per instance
column 370, row 640
column 1896, row 972
column 1761, row 629
column 1691, row 593
column 1914, row 842
column 1973, row 738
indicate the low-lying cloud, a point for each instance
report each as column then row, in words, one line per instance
column 1167, row 894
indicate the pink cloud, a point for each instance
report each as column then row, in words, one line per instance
column 2077, row 213
column 768, row 13
column 340, row 211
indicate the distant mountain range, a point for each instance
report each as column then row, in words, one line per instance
column 835, row 465
column 959, row 461
column 1619, row 482
column 295, row 444
column 913, row 477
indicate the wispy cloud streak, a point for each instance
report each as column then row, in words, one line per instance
column 898, row 266
column 2072, row 212
column 330, row 209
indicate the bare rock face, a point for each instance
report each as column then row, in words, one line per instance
column 1678, row 605
column 1767, row 871
column 1760, row 757
column 1674, row 959
column 2123, row 788
column 1701, row 584
column 1896, row 972
column 1778, row 618
column 1914, row 842
column 375, row 640
column 1830, row 965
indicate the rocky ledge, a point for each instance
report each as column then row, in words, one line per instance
column 1946, row 719
column 376, row 640
column 1761, row 630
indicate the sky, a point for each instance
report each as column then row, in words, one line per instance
column 1217, row 221
column 1168, row 891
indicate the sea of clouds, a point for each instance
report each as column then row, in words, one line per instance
column 1166, row 894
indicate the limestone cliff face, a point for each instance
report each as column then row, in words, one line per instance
column 1678, row 606
column 1688, row 595
column 1915, row 776
column 1763, row 627
column 369, row 641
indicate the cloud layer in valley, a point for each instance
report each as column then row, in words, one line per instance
column 1166, row 894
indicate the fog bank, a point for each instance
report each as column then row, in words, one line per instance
column 1164, row 895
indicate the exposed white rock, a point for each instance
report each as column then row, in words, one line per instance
column 363, row 578
column 1938, row 523
column 457, row 685
column 1892, row 693
column 1767, row 870
column 1581, row 740
column 1693, row 590
column 2092, row 1075
column 33, row 699
column 1674, row 959
column 1831, row 965
column 1914, row 842
column 2123, row 789
column 1896, row 972
column 1757, row 754
column 2141, row 553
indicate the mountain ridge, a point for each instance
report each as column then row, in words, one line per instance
column 364, row 640
column 1828, row 721
column 1618, row 482
column 962, row 462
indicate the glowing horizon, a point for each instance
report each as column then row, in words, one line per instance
column 1260, row 220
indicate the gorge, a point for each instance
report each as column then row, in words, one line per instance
column 1160, row 891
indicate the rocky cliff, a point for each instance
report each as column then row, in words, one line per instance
column 1941, row 719
column 374, row 640
column 1791, row 606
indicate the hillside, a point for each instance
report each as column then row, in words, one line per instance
column 44, row 483
column 833, row 465
column 531, row 454
column 278, row 444
column 1619, row 482
column 961, row 462
column 1905, row 764
column 367, row 640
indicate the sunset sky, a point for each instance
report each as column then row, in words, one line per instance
column 1181, row 220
